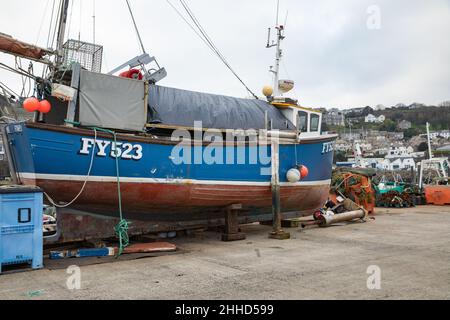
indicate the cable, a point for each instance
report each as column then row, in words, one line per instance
column 135, row 27
column 215, row 49
column 188, row 23
column 60, row 8
column 42, row 23
column 8, row 88
column 201, row 33
column 69, row 23
column 50, row 25
column 8, row 68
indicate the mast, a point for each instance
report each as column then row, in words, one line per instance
column 429, row 142
column 279, row 53
column 61, row 30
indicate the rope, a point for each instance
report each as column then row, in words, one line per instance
column 121, row 229
column 85, row 180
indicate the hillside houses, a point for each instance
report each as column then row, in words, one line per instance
column 370, row 118
column 334, row 117
column 404, row 125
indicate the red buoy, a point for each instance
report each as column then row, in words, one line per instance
column 303, row 171
column 31, row 104
column 45, row 106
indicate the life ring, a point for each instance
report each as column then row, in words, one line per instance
column 132, row 74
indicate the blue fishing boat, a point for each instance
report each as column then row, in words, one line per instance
column 121, row 145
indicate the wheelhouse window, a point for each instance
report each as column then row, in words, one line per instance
column 302, row 121
column 315, row 122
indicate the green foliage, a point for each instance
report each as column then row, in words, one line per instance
column 411, row 132
column 423, row 146
column 388, row 125
column 339, row 156
column 438, row 117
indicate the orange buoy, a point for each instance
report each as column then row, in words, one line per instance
column 303, row 171
column 31, row 104
column 45, row 106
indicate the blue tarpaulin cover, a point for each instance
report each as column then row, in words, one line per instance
column 178, row 107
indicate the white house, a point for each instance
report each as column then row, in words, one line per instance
column 445, row 134
column 370, row 118
column 401, row 163
column 343, row 146
column 438, row 134
column 399, row 151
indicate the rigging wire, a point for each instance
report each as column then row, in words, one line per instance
column 8, row 68
column 51, row 23
column 58, row 15
column 188, row 23
column 42, row 22
column 69, row 22
column 135, row 27
column 9, row 89
column 212, row 46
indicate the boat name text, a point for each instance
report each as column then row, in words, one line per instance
column 327, row 147
column 104, row 148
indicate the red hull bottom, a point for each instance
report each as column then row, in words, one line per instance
column 175, row 202
column 165, row 207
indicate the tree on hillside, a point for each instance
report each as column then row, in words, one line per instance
column 411, row 132
column 445, row 104
column 388, row 125
column 339, row 156
column 423, row 146
column 366, row 111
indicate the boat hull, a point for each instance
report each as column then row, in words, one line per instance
column 181, row 201
column 154, row 187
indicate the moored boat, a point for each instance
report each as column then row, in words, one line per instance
column 122, row 145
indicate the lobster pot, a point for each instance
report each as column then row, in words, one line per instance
column 88, row 55
column 21, row 237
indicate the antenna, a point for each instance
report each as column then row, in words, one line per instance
column 278, row 10
column 429, row 141
column 280, row 36
column 93, row 22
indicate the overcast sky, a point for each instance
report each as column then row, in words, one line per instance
column 331, row 54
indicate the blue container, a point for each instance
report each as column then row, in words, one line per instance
column 21, row 236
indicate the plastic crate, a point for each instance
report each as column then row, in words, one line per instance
column 21, row 238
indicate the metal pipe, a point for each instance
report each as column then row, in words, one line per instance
column 277, row 232
column 282, row 134
column 275, row 184
column 326, row 221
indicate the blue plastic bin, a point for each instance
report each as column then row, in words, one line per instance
column 21, row 236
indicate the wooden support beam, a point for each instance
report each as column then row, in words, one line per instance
column 232, row 232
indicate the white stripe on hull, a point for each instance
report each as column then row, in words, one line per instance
column 63, row 177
